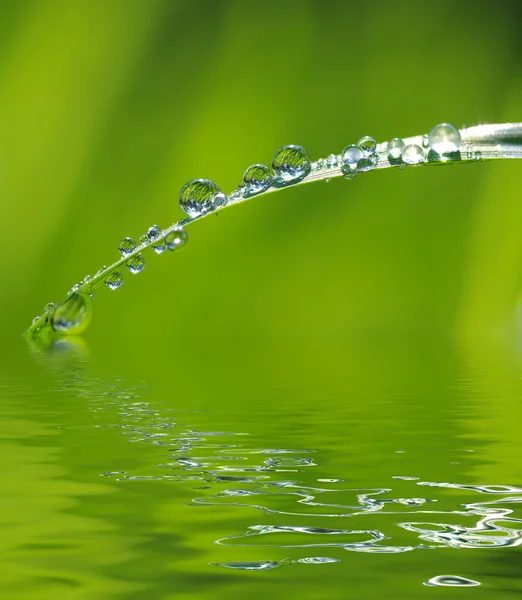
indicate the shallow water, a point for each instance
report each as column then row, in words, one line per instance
column 361, row 470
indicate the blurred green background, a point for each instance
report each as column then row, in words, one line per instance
column 107, row 108
column 353, row 318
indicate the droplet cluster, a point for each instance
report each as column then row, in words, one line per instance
column 290, row 165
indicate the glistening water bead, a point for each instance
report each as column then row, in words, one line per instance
column 135, row 264
column 395, row 148
column 444, row 139
column 350, row 156
column 127, row 246
column 114, row 280
column 200, row 196
column 413, row 154
column 177, row 238
column 257, row 179
column 290, row 164
column 73, row 314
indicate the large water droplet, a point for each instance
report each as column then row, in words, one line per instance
column 350, row 156
column 291, row 164
column 200, row 196
column 114, row 280
column 395, row 148
column 413, row 154
column 73, row 314
column 135, row 264
column 127, row 246
column 177, row 238
column 257, row 179
column 153, row 233
column 444, row 139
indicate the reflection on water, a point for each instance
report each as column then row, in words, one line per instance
column 268, row 481
column 154, row 487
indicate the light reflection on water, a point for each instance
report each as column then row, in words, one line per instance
column 244, row 499
column 258, row 478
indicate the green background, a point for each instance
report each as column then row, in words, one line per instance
column 352, row 318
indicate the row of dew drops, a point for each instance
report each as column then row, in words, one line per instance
column 290, row 165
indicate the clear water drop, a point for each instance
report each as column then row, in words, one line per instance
column 49, row 307
column 290, row 164
column 332, row 161
column 413, row 154
column 368, row 145
column 257, row 179
column 114, row 280
column 444, row 139
column 200, row 196
column 350, row 156
column 395, row 149
column 73, row 315
column 153, row 233
column 127, row 246
column 177, row 238
column 136, row 264
column 36, row 319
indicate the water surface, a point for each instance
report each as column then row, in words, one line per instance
column 348, row 470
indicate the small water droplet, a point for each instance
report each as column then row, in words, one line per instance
column 36, row 319
column 257, row 179
column 413, row 154
column 332, row 161
column 425, row 141
column 290, row 164
column 100, row 271
column 49, row 307
column 444, row 139
column 73, row 314
column 395, row 149
column 127, row 246
column 368, row 145
column 350, row 156
column 177, row 238
column 153, row 233
column 235, row 195
column 200, row 196
column 135, row 264
column 114, row 280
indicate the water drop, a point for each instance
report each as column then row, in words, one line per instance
column 256, row 179
column 153, row 233
column 350, row 156
column 35, row 320
column 114, row 280
column 200, row 196
column 177, row 238
column 368, row 145
column 444, row 139
column 395, row 149
column 135, row 264
column 73, row 314
column 332, row 161
column 291, row 164
column 413, row 154
column 319, row 165
column 127, row 246
column 49, row 307
column 100, row 271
